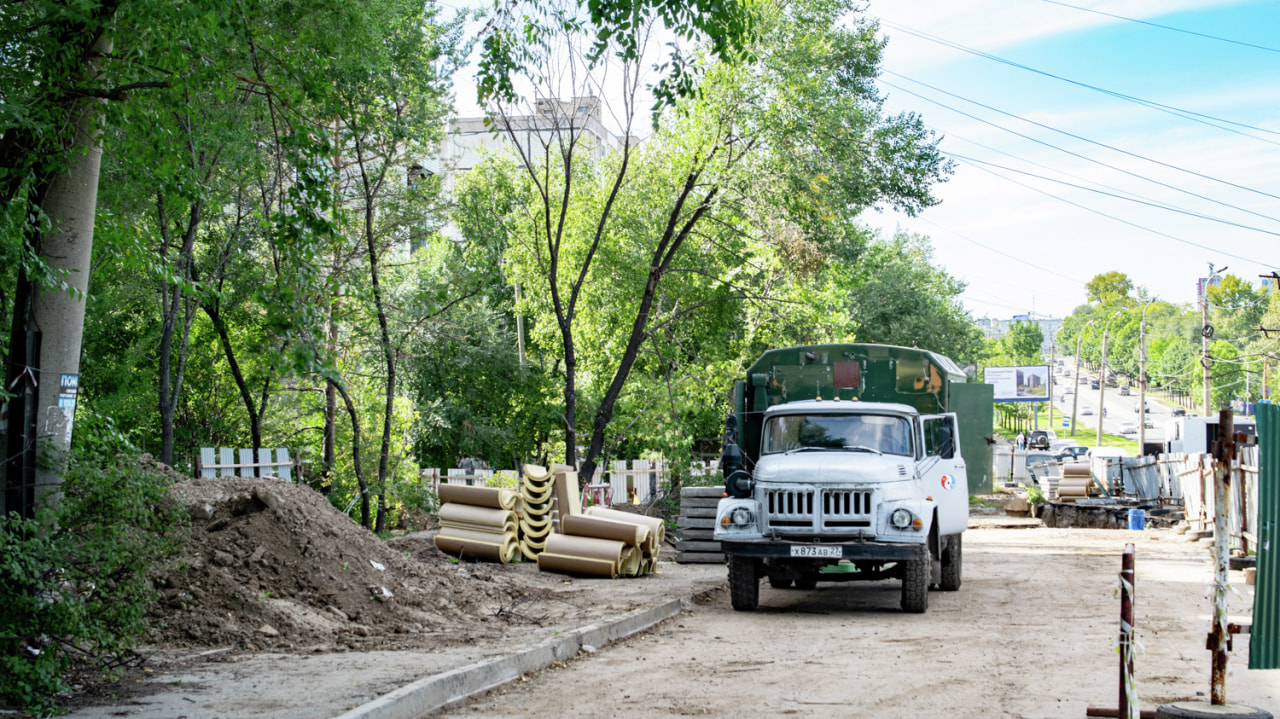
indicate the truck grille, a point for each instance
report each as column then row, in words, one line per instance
column 810, row 509
column 846, row 508
column 791, row 508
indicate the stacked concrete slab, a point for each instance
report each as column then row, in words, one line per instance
column 696, row 524
column 478, row 523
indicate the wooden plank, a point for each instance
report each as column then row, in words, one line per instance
column 206, row 459
column 697, row 546
column 702, row 492
column 246, row 460
column 699, row 558
column 684, row 522
column 227, row 460
column 264, row 456
column 286, row 465
column 700, row 502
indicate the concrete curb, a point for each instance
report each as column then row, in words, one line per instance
column 433, row 693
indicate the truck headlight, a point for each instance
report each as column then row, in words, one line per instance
column 901, row 518
column 741, row 517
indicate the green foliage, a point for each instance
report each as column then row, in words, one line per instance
column 1023, row 343
column 73, row 580
column 1108, row 287
column 519, row 35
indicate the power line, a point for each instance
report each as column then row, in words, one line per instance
column 1164, row 27
column 1116, row 196
column 1126, row 222
column 1002, row 253
column 1091, row 142
column 1177, row 112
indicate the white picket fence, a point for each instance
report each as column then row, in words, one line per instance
column 621, row 482
column 226, row 464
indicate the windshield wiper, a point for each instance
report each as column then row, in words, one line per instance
column 862, row 448
column 810, row 448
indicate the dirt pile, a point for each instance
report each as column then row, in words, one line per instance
column 272, row 565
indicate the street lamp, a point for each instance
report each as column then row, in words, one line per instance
column 1142, row 381
column 1102, row 377
column 1075, row 396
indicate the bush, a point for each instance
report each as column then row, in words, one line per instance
column 74, row 590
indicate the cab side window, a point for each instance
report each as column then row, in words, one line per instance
column 939, row 437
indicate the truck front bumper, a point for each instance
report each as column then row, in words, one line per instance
column 880, row 551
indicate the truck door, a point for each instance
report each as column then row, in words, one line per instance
column 943, row 473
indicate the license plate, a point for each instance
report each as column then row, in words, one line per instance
column 814, row 550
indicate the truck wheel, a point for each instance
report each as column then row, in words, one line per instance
column 915, row 584
column 951, row 564
column 744, row 583
column 779, row 582
column 807, row 581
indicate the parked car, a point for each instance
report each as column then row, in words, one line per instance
column 1086, row 411
column 1128, row 428
column 1178, row 412
column 1124, row 390
column 1070, row 454
column 1038, row 439
column 1093, row 384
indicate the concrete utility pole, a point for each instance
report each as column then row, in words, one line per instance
column 1142, row 381
column 1075, row 392
column 1206, row 331
column 1102, row 378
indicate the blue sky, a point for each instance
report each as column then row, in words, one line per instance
column 1021, row 250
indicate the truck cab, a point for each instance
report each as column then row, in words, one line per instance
column 841, row 489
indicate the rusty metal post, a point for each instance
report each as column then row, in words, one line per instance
column 1223, row 453
column 1128, row 702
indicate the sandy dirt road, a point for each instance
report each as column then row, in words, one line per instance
column 1031, row 633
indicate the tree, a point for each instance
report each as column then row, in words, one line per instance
column 1108, row 287
column 735, row 147
column 901, row 298
column 1023, row 343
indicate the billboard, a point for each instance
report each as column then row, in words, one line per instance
column 1019, row 384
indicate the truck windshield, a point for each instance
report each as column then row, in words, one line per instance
column 879, row 433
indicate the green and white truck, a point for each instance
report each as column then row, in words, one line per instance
column 851, row 462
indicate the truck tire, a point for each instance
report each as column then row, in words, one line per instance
column 1205, row 710
column 779, row 582
column 951, row 564
column 915, row 584
column 744, row 583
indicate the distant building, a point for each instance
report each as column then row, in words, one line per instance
column 468, row 140
column 996, row 329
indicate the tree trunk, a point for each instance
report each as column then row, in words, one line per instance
column 355, row 453
column 673, row 238
column 171, row 299
column 58, row 314
column 255, row 429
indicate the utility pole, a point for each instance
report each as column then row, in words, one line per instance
column 1206, row 332
column 1102, row 378
column 1075, row 392
column 1142, row 382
